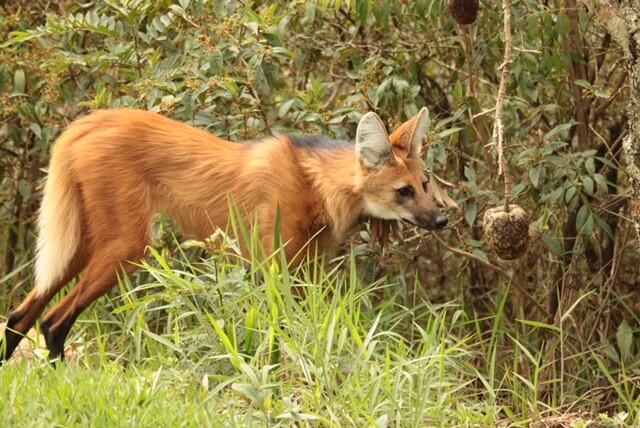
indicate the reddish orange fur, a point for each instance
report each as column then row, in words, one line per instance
column 116, row 168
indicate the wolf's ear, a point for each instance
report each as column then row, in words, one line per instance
column 407, row 139
column 373, row 149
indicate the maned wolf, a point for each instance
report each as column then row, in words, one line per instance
column 112, row 170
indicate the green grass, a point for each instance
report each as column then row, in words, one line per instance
column 215, row 343
column 109, row 396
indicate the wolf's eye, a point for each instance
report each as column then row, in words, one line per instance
column 406, row 191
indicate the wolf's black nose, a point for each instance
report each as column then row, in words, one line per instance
column 441, row 221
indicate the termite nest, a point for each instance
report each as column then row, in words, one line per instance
column 464, row 12
column 506, row 232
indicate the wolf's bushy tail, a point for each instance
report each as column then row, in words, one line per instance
column 59, row 222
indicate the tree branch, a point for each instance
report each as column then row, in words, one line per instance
column 497, row 139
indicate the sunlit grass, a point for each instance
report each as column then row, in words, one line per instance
column 220, row 342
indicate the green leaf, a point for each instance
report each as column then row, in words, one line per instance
column 285, row 107
column 253, row 27
column 517, row 190
column 229, row 346
column 162, row 340
column 587, row 153
column 250, row 392
column 470, row 174
column 583, row 83
column 470, row 213
column 250, row 326
column 558, row 130
column 554, row 196
column 310, row 12
column 23, row 188
column 382, row 90
column 19, row 82
column 553, row 244
column 587, row 185
column 581, row 218
column 448, row 132
column 569, row 194
column 534, row 175
column 601, row 181
column 458, row 91
column 604, row 226
column 624, row 339
column 590, row 166
column 232, row 87
column 399, row 85
column 589, row 224
column 540, row 324
column 363, row 10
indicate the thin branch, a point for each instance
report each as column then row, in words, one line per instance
column 497, row 139
column 261, row 110
column 10, row 152
column 483, row 262
column 606, row 103
column 471, row 256
column 482, row 113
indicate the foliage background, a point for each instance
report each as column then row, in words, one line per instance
column 560, row 322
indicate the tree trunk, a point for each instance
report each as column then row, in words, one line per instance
column 622, row 20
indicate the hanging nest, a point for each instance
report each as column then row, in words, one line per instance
column 464, row 12
column 506, row 232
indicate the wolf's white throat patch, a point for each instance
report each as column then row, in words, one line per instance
column 377, row 210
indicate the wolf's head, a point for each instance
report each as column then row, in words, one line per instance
column 395, row 185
